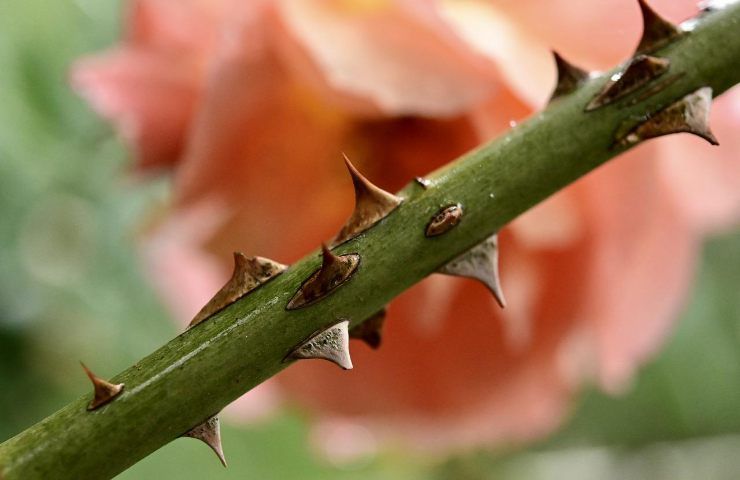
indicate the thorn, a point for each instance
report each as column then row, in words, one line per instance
column 570, row 77
column 249, row 273
column 371, row 330
column 444, row 220
column 334, row 271
column 371, row 205
column 104, row 391
column 209, row 432
column 331, row 344
column 480, row 263
column 690, row 114
column 640, row 71
column 656, row 31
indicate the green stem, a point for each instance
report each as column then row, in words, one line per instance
column 199, row 372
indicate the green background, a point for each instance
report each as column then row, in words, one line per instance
column 72, row 288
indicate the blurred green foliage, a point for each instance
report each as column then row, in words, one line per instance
column 72, row 288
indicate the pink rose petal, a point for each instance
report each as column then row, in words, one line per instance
column 149, row 97
column 398, row 57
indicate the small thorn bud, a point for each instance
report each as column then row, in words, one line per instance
column 249, row 273
column 689, row 114
column 423, row 182
column 444, row 220
column 372, row 204
column 334, row 271
column 104, row 391
column 570, row 77
column 371, row 330
column 480, row 263
column 331, row 344
column 640, row 71
column 209, row 432
column 656, row 31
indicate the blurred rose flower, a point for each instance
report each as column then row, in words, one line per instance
column 250, row 104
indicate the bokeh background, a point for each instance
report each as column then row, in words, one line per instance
column 72, row 288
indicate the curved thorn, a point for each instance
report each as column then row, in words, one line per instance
column 331, row 344
column 371, row 330
column 372, row 204
column 640, row 71
column 209, row 432
column 249, row 273
column 570, row 77
column 334, row 271
column 656, row 31
column 480, row 263
column 689, row 114
column 104, row 391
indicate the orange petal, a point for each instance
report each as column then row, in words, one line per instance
column 399, row 55
column 184, row 26
column 524, row 60
column 149, row 96
column 266, row 147
column 555, row 223
column 640, row 256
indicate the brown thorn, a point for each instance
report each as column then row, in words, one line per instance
column 249, row 273
column 480, row 263
column 371, row 330
column 640, row 71
column 331, row 344
column 372, row 204
column 104, row 391
column 570, row 77
column 334, row 271
column 689, row 114
column 209, row 432
column 656, row 31
column 444, row 220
